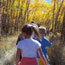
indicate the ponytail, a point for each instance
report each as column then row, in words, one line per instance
column 28, row 29
column 36, row 32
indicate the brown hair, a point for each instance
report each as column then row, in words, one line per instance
column 28, row 29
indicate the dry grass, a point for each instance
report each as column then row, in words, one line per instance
column 7, row 44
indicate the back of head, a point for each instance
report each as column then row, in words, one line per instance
column 28, row 29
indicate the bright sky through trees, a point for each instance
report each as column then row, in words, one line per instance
column 49, row 1
column 32, row 1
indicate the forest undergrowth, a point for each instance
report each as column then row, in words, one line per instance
column 56, row 52
column 8, row 49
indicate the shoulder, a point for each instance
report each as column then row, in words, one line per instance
column 44, row 38
column 22, row 41
column 36, row 38
column 20, row 44
column 36, row 42
column 47, row 41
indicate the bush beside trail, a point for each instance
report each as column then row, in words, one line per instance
column 56, row 54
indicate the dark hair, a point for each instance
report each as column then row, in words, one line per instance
column 32, row 21
column 28, row 29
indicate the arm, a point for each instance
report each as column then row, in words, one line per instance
column 42, row 56
column 47, row 43
column 18, row 56
column 18, row 40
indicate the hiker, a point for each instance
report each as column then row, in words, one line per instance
column 44, row 43
column 29, row 47
column 36, row 26
column 20, row 38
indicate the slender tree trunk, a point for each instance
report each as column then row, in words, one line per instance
column 16, row 23
column 0, row 20
column 7, row 26
column 56, row 18
column 27, row 8
column 27, row 17
column 59, row 25
column 21, row 17
column 63, row 29
column 11, row 23
column 4, row 20
column 11, row 16
column 57, row 3
column 17, row 17
column 53, row 20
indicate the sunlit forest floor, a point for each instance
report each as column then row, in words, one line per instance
column 8, row 49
